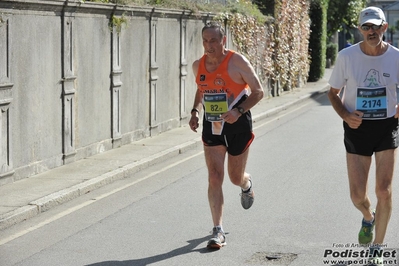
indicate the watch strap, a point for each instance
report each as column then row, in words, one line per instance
column 241, row 110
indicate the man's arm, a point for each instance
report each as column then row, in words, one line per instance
column 241, row 71
column 250, row 77
column 197, row 105
column 352, row 119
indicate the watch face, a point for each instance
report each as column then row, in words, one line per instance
column 241, row 110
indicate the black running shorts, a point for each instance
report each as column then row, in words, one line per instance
column 372, row 136
column 236, row 144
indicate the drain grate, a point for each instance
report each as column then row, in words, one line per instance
column 272, row 258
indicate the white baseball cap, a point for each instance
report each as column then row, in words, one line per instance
column 371, row 14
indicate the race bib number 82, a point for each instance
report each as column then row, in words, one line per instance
column 215, row 106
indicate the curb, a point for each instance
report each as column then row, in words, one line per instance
column 45, row 203
column 48, row 202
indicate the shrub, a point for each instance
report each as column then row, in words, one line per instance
column 317, row 40
column 331, row 52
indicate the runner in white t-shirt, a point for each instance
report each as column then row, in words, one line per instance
column 368, row 73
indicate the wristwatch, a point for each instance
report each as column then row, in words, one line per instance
column 241, row 110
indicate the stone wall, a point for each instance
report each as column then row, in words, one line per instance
column 71, row 86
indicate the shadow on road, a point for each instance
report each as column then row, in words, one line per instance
column 191, row 247
column 321, row 98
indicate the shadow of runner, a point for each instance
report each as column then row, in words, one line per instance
column 191, row 247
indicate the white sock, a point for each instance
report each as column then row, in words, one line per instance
column 219, row 227
column 248, row 186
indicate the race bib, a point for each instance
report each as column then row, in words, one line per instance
column 372, row 102
column 215, row 105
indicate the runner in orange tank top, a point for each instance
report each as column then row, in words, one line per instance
column 220, row 94
column 227, row 88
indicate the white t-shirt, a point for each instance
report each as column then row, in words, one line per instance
column 369, row 81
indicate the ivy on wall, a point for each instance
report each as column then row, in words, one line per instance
column 252, row 39
column 277, row 47
column 117, row 23
column 291, row 41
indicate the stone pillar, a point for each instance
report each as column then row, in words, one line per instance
column 69, row 83
column 153, row 77
column 116, row 86
column 5, row 99
column 183, row 69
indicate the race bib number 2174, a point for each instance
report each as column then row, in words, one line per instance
column 372, row 102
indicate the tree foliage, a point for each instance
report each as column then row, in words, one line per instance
column 265, row 6
column 341, row 13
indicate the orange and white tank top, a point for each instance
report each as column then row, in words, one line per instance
column 220, row 93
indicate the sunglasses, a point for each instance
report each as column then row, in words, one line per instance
column 367, row 27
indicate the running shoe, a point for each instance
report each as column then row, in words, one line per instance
column 376, row 262
column 376, row 258
column 248, row 197
column 218, row 239
column 366, row 232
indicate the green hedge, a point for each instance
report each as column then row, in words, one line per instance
column 331, row 52
column 317, row 40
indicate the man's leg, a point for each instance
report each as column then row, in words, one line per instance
column 358, row 171
column 236, row 169
column 385, row 161
column 215, row 157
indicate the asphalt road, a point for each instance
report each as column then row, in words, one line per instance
column 302, row 213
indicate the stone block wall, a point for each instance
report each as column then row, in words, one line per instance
column 72, row 86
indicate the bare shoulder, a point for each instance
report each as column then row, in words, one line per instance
column 239, row 63
column 239, row 59
column 241, row 71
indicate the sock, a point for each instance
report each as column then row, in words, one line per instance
column 219, row 227
column 369, row 222
column 248, row 187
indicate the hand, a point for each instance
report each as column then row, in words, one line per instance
column 194, row 122
column 231, row 116
column 397, row 111
column 354, row 120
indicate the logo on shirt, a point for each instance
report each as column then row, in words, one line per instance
column 219, row 82
column 372, row 79
column 202, row 77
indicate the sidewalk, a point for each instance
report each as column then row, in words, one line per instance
column 29, row 197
